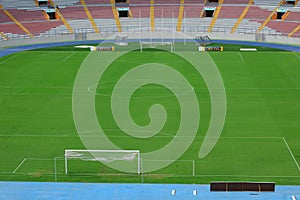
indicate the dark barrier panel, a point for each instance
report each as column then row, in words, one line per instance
column 242, row 186
column 251, row 187
column 267, row 187
column 235, row 186
column 218, row 187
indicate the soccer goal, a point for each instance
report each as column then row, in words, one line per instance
column 121, row 40
column 94, row 161
column 161, row 45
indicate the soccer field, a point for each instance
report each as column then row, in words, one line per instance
column 260, row 140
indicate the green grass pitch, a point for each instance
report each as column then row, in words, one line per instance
column 260, row 140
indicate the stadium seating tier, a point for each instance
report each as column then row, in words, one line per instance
column 31, row 17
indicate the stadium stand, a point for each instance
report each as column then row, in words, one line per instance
column 283, row 27
column 246, row 26
column 239, row 16
column 180, row 16
column 74, row 12
column 296, row 31
column 139, row 2
column 215, row 16
column 242, row 16
column 234, row 12
column 3, row 17
column 294, row 15
column 27, row 15
column 11, row 28
column 108, row 25
column 101, row 12
column 236, row 2
column 63, row 3
column 37, row 28
column 256, row 12
column 193, row 10
column 20, row 4
column 267, row 2
column 94, row 2
column 90, row 17
column 168, row 11
column 140, row 11
column 77, row 25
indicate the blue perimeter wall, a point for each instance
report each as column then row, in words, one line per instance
column 11, row 50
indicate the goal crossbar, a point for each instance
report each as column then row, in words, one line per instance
column 103, row 151
column 76, row 153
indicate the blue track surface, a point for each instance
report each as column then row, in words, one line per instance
column 36, row 190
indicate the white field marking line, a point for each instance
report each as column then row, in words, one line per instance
column 291, row 153
column 19, row 165
column 8, row 59
column 169, row 160
column 28, row 173
column 23, row 135
column 46, row 87
column 69, row 56
column 174, row 175
column 297, row 55
column 223, row 175
column 69, row 134
column 162, row 136
column 37, row 94
column 25, row 159
column 162, row 96
column 5, row 173
column 241, row 57
column 178, row 175
column 40, row 158
column 108, row 85
column 198, row 88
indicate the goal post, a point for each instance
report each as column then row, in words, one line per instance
column 160, row 45
column 103, row 156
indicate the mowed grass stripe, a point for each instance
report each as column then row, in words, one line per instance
column 263, row 106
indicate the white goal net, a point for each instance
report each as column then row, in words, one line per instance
column 161, row 45
column 92, row 161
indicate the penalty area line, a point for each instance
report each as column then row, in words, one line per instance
column 291, row 153
column 297, row 55
column 69, row 56
column 225, row 175
column 19, row 165
column 10, row 58
column 25, row 159
column 241, row 57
